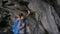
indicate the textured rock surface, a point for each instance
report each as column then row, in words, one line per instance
column 45, row 12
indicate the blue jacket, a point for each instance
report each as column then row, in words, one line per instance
column 19, row 26
column 15, row 29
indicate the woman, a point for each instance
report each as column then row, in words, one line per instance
column 19, row 26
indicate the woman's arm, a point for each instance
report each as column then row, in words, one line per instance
column 28, row 12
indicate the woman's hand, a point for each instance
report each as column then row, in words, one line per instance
column 28, row 12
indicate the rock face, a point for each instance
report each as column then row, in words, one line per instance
column 42, row 20
column 46, row 15
column 58, row 2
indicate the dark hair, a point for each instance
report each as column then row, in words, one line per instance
column 20, row 14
